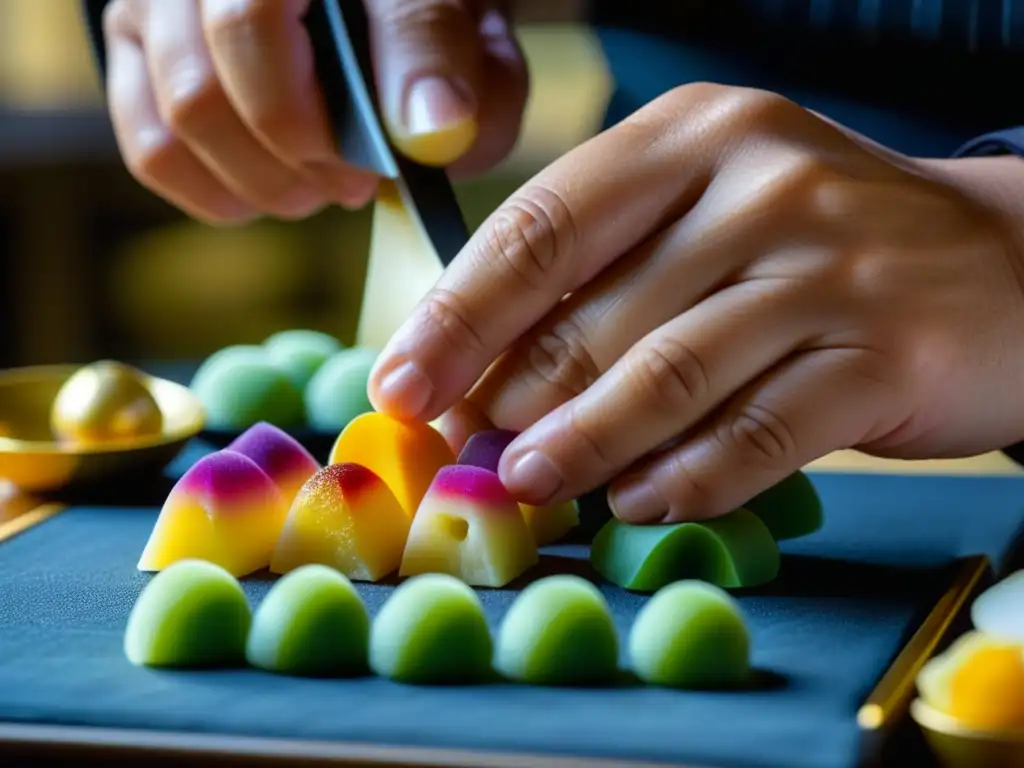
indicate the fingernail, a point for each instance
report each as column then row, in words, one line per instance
column 435, row 104
column 636, row 501
column 404, row 392
column 535, row 477
column 438, row 122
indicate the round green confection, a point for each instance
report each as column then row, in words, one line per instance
column 559, row 631
column 239, row 386
column 192, row 614
column 300, row 353
column 311, row 623
column 337, row 392
column 690, row 635
column 432, row 630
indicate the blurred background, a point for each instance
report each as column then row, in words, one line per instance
column 92, row 265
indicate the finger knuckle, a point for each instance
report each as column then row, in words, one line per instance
column 760, row 436
column 419, row 15
column 192, row 102
column 765, row 111
column 227, row 22
column 560, row 356
column 596, row 456
column 117, row 19
column 689, row 496
column 533, row 234
column 154, row 155
column 443, row 314
column 727, row 108
column 670, row 373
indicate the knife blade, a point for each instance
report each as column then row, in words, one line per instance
column 340, row 33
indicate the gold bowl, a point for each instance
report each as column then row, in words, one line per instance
column 35, row 462
column 958, row 746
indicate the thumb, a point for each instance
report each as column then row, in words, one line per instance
column 429, row 58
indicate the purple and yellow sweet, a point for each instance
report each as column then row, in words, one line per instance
column 278, row 454
column 224, row 510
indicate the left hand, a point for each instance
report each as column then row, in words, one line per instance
column 715, row 292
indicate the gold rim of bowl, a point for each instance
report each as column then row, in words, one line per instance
column 189, row 428
column 933, row 720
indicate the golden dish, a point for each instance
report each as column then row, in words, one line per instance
column 958, row 746
column 35, row 462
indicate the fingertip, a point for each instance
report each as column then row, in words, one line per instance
column 438, row 124
column 400, row 389
column 530, row 475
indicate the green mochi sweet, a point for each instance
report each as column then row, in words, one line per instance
column 691, row 635
column 559, row 631
column 735, row 550
column 301, row 353
column 790, row 508
column 337, row 392
column 239, row 386
column 193, row 614
column 312, row 623
column 432, row 631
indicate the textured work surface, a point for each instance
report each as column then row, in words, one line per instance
column 825, row 631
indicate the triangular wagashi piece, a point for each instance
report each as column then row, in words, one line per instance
column 225, row 510
column 347, row 518
column 735, row 550
column 468, row 526
column 403, row 265
column 278, row 454
column 547, row 524
column 550, row 523
column 405, row 455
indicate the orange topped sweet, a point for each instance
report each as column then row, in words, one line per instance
column 405, row 455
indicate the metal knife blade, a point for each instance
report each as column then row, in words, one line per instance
column 340, row 35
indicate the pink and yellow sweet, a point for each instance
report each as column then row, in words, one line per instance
column 548, row 524
column 278, row 454
column 469, row 527
column 225, row 510
column 345, row 517
column 405, row 455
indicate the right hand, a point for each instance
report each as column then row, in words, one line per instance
column 216, row 107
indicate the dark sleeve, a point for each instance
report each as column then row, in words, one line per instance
column 1008, row 142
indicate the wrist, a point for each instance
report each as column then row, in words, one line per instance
column 996, row 185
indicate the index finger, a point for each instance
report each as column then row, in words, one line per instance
column 264, row 60
column 547, row 240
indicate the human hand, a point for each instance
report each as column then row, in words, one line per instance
column 216, row 107
column 715, row 292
